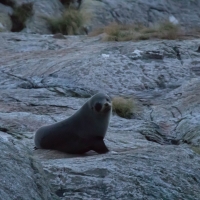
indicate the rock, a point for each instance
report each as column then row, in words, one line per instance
column 101, row 13
column 6, row 9
column 154, row 155
column 37, row 23
column 198, row 50
column 132, row 173
column 59, row 36
column 145, row 12
column 41, row 9
column 21, row 177
column 5, row 21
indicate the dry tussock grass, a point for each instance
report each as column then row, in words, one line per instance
column 123, row 107
column 20, row 15
column 118, row 32
column 70, row 23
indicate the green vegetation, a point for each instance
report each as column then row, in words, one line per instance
column 169, row 31
column 20, row 15
column 118, row 32
column 69, row 23
column 123, row 107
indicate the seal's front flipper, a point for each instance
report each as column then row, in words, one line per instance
column 99, row 146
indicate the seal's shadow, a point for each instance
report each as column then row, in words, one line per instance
column 44, row 154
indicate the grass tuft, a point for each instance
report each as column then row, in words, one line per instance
column 70, row 23
column 118, row 32
column 123, row 107
column 169, row 31
column 20, row 15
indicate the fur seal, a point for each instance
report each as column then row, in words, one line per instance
column 80, row 133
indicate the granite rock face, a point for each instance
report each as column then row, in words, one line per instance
column 5, row 21
column 142, row 11
column 41, row 9
column 154, row 155
column 21, row 177
column 104, row 12
column 36, row 22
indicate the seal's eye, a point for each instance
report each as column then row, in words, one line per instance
column 98, row 107
column 107, row 100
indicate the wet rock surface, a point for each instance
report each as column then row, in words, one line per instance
column 154, row 155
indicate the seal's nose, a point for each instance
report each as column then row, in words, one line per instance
column 107, row 105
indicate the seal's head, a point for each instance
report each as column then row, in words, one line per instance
column 101, row 103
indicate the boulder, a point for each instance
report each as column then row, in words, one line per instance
column 36, row 21
column 5, row 21
column 42, row 9
column 21, row 177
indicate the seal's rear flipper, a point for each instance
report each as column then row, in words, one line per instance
column 99, row 146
